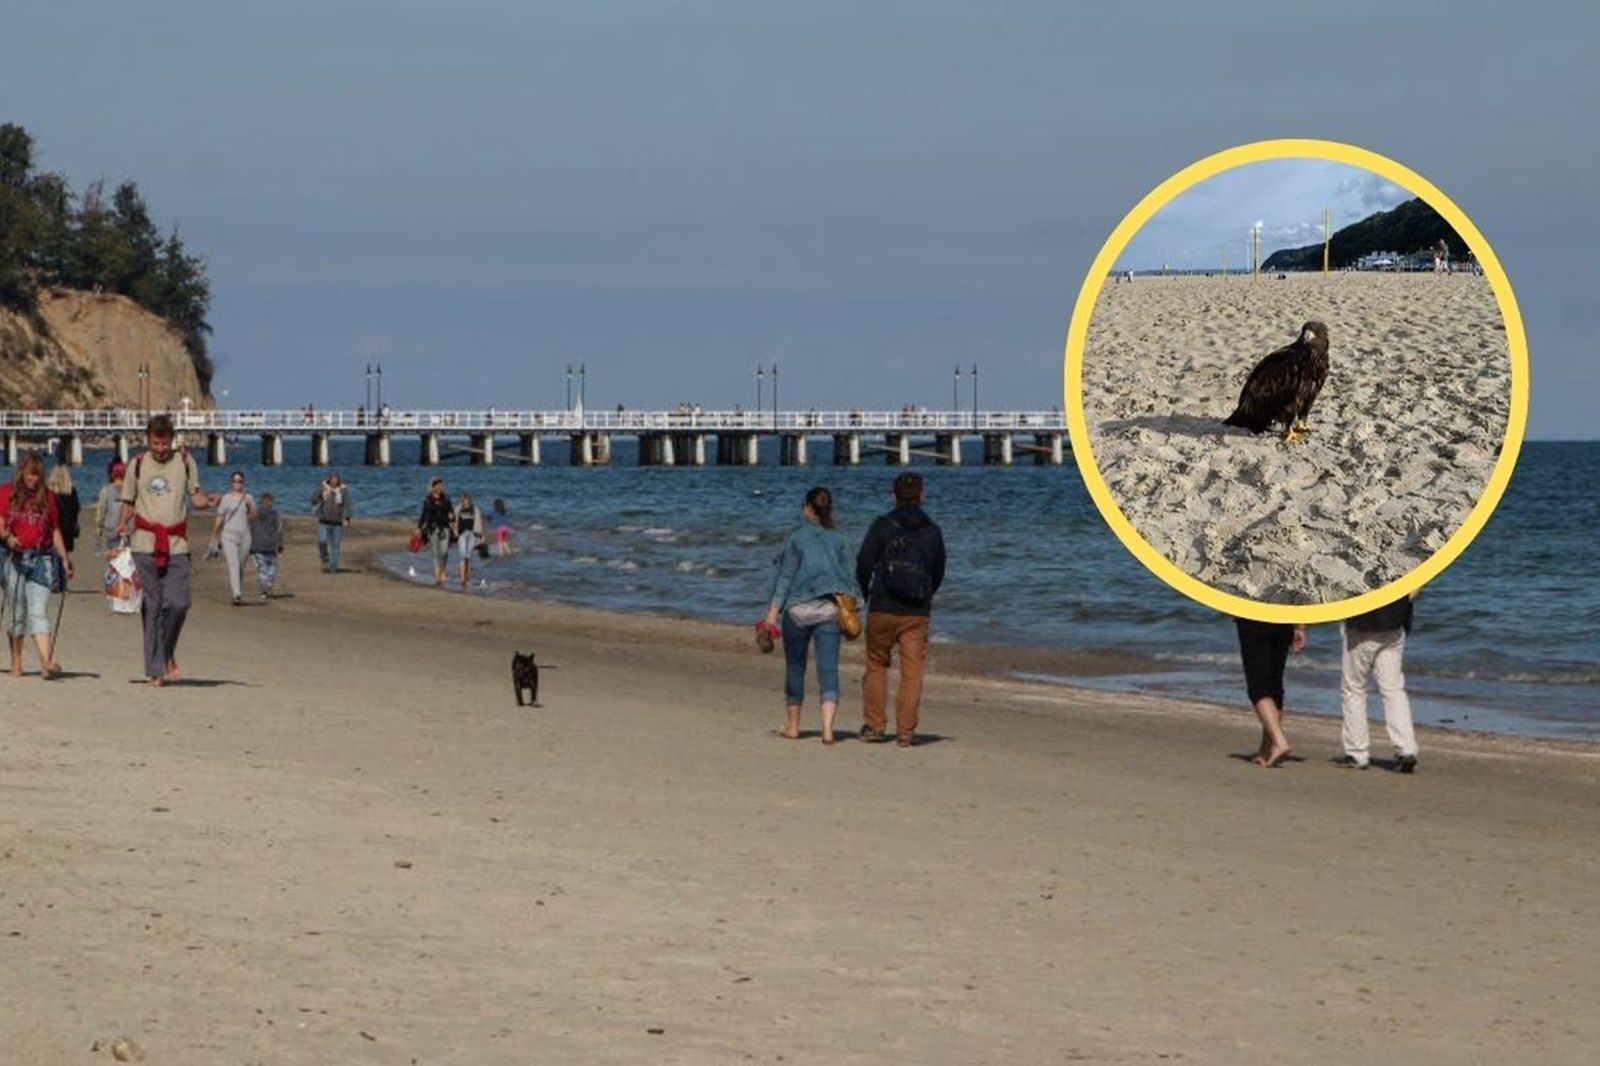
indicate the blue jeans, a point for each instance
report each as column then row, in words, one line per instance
column 796, row 639
column 328, row 536
column 27, row 603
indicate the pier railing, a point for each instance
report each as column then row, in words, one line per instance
column 492, row 420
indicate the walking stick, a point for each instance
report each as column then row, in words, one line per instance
column 61, row 607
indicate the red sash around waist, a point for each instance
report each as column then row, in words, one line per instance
column 163, row 552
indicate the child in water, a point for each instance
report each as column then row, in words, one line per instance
column 500, row 523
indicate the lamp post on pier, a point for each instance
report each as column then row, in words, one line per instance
column 974, row 395
column 774, row 394
column 569, row 387
column 955, row 392
column 369, row 387
column 583, row 372
column 760, row 373
column 378, row 373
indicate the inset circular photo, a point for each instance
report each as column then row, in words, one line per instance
column 1296, row 381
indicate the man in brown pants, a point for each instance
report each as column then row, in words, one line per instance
column 899, row 568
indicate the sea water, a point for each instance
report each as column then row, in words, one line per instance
column 1506, row 640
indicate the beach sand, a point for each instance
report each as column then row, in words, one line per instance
column 341, row 842
column 1406, row 430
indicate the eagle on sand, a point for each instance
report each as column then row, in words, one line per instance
column 1283, row 385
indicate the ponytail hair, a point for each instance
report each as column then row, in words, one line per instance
column 820, row 500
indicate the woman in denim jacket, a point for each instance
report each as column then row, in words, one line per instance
column 813, row 566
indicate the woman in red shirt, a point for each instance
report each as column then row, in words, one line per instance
column 30, row 527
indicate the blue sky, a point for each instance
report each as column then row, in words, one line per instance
column 1284, row 197
column 479, row 193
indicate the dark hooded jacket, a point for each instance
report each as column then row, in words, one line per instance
column 1389, row 617
column 870, row 559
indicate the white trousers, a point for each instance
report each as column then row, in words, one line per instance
column 235, row 550
column 1376, row 655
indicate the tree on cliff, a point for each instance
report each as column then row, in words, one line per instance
column 110, row 247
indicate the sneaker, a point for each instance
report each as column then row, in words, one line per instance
column 905, row 741
column 871, row 735
column 1350, row 762
column 237, row 600
column 1406, row 764
column 764, row 637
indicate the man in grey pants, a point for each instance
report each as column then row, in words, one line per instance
column 160, row 487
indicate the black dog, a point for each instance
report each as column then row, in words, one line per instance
column 525, row 675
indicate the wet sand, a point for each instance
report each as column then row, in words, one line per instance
column 343, row 842
column 1405, row 436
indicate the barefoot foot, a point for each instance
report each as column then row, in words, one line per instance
column 1276, row 756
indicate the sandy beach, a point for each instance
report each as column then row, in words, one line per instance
column 1406, row 430
column 341, row 842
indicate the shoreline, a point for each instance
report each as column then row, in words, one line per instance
column 954, row 659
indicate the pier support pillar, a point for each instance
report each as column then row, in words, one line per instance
column 272, row 449
column 899, row 449
column 738, row 449
column 377, row 449
column 846, row 449
column 1051, row 449
column 528, row 449
column 119, row 445
column 689, row 449
column 997, row 449
column 11, row 447
column 591, row 449
column 482, row 449
column 321, row 449
column 74, row 450
column 948, row 445
column 428, row 454
column 792, row 449
column 657, row 449
column 216, row 449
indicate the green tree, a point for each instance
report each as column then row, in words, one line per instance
column 98, row 256
column 131, row 220
column 17, row 221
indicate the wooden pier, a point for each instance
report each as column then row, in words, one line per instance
column 484, row 437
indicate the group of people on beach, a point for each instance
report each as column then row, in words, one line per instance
column 811, row 603
column 441, row 524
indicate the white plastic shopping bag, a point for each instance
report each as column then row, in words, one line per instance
column 124, row 593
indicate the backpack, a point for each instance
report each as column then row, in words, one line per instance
column 908, row 566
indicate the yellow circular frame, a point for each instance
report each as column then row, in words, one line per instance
column 1077, row 332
